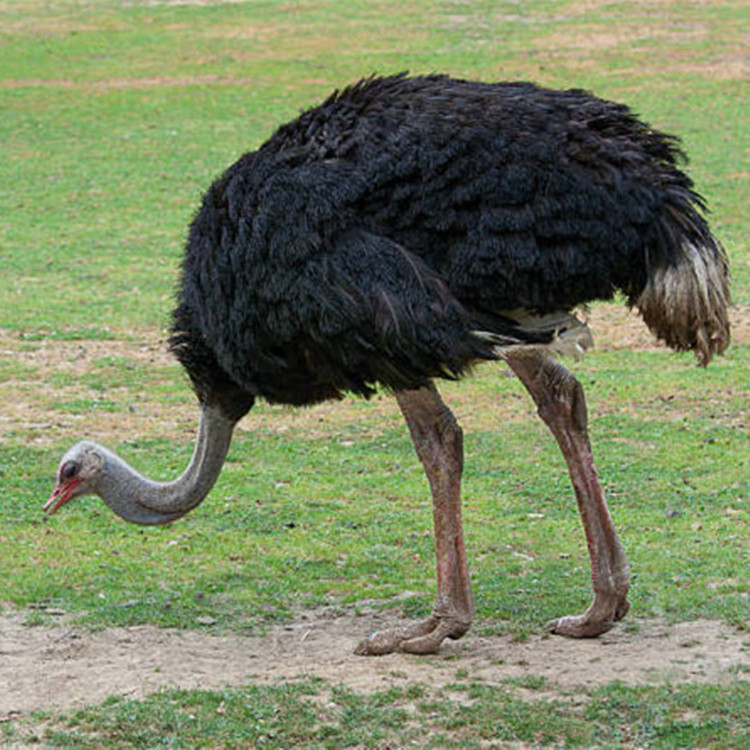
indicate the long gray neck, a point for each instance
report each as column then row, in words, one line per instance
column 143, row 501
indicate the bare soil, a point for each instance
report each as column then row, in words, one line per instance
column 62, row 666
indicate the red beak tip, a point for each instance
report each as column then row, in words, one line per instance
column 60, row 495
column 56, row 499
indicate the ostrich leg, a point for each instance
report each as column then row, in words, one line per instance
column 561, row 404
column 439, row 444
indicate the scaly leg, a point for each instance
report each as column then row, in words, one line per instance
column 561, row 404
column 439, row 444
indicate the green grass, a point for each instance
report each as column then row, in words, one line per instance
column 315, row 714
column 115, row 117
column 285, row 524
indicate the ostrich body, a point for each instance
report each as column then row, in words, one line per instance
column 402, row 231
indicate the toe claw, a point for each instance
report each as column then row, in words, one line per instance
column 622, row 609
column 423, row 637
column 379, row 643
column 597, row 619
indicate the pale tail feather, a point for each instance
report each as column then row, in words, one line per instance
column 685, row 304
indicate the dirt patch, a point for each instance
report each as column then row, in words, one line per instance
column 599, row 37
column 62, row 666
column 616, row 328
column 29, row 399
column 145, row 82
column 583, row 7
column 731, row 65
column 651, row 39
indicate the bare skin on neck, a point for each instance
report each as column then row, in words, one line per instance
column 88, row 468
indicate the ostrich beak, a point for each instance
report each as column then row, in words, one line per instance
column 60, row 495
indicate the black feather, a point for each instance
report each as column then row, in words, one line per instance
column 367, row 239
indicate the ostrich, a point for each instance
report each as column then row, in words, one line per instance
column 403, row 231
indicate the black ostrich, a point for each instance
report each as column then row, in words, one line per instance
column 405, row 230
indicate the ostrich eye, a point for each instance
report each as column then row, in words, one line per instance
column 69, row 470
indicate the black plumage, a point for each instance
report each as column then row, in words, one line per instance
column 366, row 241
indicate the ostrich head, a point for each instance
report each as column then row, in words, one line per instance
column 88, row 468
column 79, row 473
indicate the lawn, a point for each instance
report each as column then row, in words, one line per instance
column 115, row 117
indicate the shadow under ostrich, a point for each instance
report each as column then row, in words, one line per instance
column 405, row 230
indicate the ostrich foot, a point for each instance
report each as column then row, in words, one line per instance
column 423, row 637
column 598, row 619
